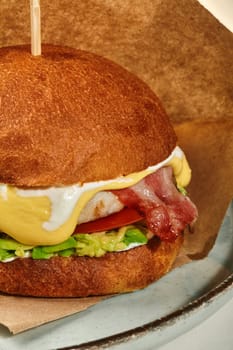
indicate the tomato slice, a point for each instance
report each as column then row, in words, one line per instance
column 124, row 217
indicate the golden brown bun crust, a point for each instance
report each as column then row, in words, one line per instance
column 84, row 276
column 70, row 116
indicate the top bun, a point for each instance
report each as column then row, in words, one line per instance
column 70, row 116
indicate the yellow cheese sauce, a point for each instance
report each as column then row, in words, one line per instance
column 49, row 216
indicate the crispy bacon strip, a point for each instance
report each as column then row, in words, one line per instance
column 166, row 210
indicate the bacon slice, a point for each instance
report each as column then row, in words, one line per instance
column 166, row 210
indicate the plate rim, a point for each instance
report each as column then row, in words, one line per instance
column 152, row 326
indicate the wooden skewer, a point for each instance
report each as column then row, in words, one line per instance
column 35, row 27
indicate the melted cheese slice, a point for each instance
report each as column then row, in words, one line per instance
column 49, row 216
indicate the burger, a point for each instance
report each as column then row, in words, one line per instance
column 92, row 180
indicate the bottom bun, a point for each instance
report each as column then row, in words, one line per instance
column 84, row 276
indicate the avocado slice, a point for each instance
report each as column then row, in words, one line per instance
column 81, row 244
column 11, row 244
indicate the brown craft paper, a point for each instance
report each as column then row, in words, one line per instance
column 19, row 313
column 209, row 148
column 185, row 55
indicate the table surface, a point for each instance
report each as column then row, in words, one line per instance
column 214, row 333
